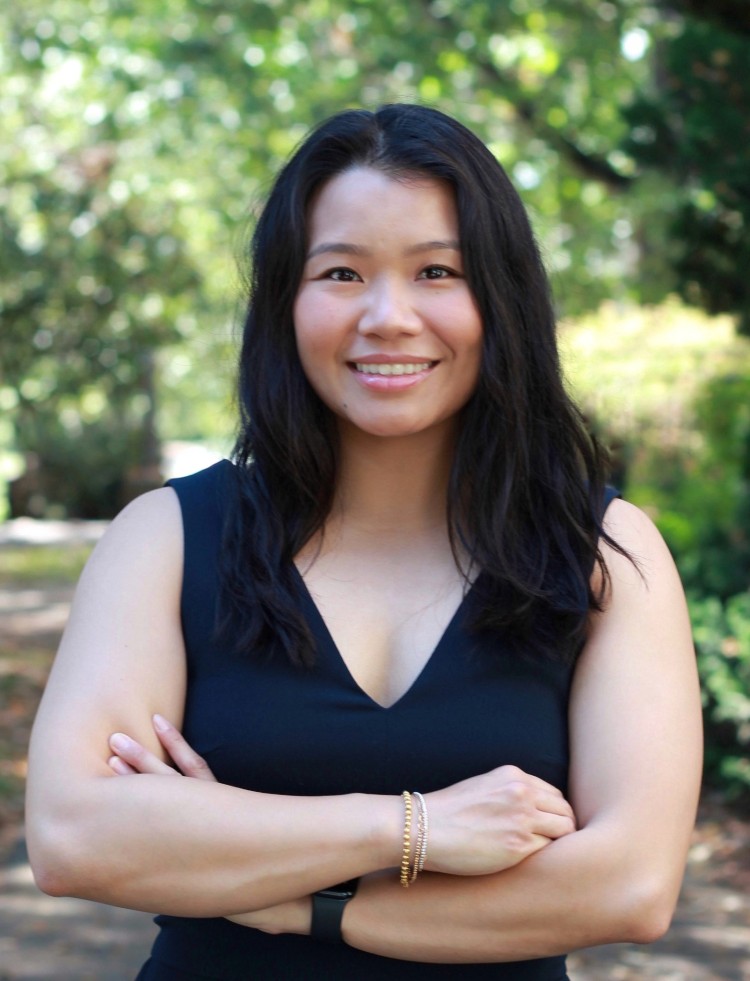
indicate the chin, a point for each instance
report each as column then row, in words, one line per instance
column 393, row 428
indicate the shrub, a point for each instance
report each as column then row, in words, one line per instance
column 669, row 389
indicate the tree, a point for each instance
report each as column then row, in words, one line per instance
column 694, row 125
column 131, row 146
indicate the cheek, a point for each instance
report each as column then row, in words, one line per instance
column 315, row 323
column 468, row 344
column 465, row 335
column 317, row 345
column 315, row 349
column 307, row 332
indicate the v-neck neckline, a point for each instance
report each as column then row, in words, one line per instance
column 340, row 660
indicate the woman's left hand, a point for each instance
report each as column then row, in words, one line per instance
column 131, row 757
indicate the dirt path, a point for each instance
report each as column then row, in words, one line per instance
column 44, row 938
column 72, row 940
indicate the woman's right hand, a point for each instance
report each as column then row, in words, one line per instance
column 493, row 821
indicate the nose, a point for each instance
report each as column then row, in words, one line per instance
column 389, row 310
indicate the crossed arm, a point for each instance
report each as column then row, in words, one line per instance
column 510, row 878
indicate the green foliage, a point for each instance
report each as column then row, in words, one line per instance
column 105, row 450
column 134, row 149
column 722, row 638
column 695, row 125
column 132, row 146
column 669, row 388
column 671, row 391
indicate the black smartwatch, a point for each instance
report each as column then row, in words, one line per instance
column 328, row 909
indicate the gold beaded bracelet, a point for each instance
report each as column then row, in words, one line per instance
column 410, row 869
column 406, row 854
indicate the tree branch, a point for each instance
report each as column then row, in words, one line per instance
column 731, row 15
column 591, row 165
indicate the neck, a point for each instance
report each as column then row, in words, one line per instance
column 394, row 485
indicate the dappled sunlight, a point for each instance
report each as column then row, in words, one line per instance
column 63, row 938
column 136, row 144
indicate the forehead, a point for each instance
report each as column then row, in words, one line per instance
column 364, row 200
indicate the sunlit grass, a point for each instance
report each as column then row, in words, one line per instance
column 21, row 565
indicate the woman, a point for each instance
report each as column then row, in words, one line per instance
column 406, row 582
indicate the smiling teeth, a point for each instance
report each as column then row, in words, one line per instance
column 391, row 369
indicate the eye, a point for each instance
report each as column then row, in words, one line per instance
column 341, row 274
column 437, row 272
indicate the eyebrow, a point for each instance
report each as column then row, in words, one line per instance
column 348, row 248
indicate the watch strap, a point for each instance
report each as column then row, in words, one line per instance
column 328, row 910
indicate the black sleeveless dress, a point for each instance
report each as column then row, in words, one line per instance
column 265, row 725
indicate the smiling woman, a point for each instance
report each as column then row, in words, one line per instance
column 407, row 638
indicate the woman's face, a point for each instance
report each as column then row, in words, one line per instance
column 388, row 332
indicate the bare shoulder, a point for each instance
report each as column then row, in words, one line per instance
column 134, row 576
column 129, row 592
column 122, row 657
column 647, row 559
column 140, row 550
column 155, row 505
column 631, row 526
column 150, row 526
column 644, row 621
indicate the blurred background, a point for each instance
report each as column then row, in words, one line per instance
column 137, row 138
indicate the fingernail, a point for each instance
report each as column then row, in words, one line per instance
column 120, row 742
column 160, row 723
column 116, row 764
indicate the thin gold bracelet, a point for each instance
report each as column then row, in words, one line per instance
column 406, row 854
column 418, row 842
column 420, row 856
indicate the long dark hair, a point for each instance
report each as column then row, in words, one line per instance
column 526, row 488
